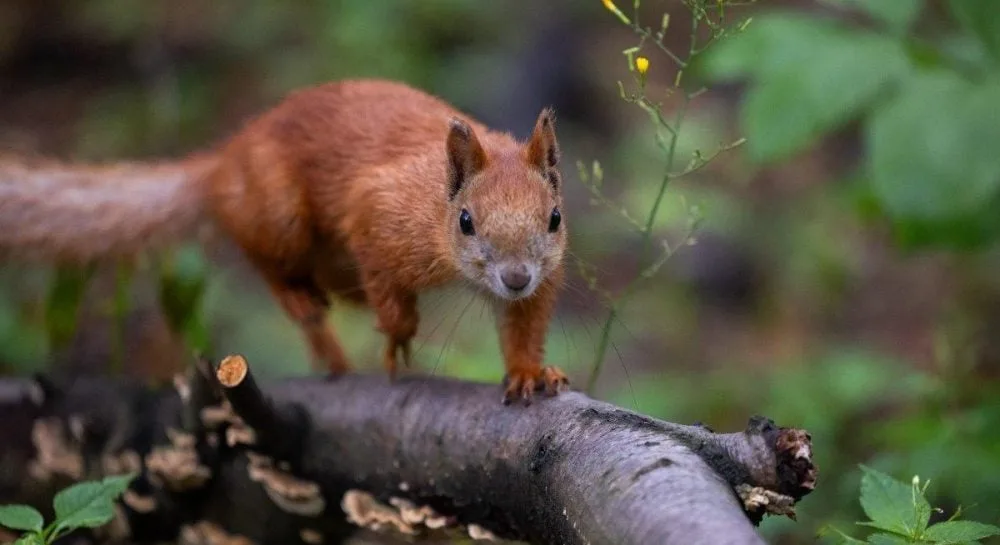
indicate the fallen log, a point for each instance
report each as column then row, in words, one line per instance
column 222, row 459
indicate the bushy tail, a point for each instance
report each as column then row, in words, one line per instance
column 63, row 213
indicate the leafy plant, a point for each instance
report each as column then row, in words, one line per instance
column 900, row 513
column 926, row 107
column 88, row 504
column 183, row 278
column 63, row 303
column 667, row 125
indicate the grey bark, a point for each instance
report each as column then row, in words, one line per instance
column 301, row 459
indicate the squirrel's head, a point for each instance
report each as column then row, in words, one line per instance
column 506, row 225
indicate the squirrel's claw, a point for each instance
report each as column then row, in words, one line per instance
column 390, row 359
column 523, row 383
column 555, row 380
column 405, row 348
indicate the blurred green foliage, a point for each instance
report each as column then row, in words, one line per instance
column 826, row 341
column 929, row 114
column 86, row 504
column 900, row 513
column 63, row 301
column 183, row 279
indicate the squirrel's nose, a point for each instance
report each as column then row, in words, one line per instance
column 515, row 277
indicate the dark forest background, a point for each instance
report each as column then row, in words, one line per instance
column 813, row 295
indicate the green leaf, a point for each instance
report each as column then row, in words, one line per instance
column 844, row 538
column 886, row 539
column 921, row 511
column 889, row 503
column 897, row 14
column 960, row 531
column 982, row 18
column 21, row 517
column 116, row 485
column 933, row 148
column 790, row 107
column 89, row 504
column 30, row 539
column 809, row 76
column 772, row 41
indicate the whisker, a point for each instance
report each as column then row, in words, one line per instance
column 566, row 337
column 430, row 334
column 452, row 333
column 482, row 307
column 628, row 377
column 438, row 301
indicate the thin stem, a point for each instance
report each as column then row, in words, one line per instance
column 646, row 242
column 656, row 113
column 621, row 210
column 648, row 266
column 645, row 33
column 45, row 534
column 701, row 162
column 693, row 49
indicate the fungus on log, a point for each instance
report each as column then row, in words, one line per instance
column 312, row 460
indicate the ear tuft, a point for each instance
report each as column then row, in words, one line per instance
column 459, row 127
column 465, row 155
column 543, row 148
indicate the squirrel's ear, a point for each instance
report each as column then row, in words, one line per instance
column 543, row 148
column 465, row 155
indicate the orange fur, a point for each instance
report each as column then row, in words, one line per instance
column 355, row 189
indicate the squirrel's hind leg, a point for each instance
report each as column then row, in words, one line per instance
column 398, row 319
column 307, row 305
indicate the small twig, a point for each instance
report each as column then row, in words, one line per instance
column 645, row 33
column 700, row 162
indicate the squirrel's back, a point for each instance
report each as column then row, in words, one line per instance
column 268, row 186
column 298, row 170
column 352, row 125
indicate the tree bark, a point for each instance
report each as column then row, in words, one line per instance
column 310, row 460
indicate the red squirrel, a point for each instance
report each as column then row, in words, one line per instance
column 369, row 190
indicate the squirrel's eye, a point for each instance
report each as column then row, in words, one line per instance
column 555, row 220
column 465, row 223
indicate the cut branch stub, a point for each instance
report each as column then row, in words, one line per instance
column 232, row 370
column 275, row 429
column 796, row 468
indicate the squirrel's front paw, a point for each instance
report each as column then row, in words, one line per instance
column 522, row 383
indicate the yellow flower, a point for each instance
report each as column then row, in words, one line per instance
column 614, row 9
column 642, row 65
